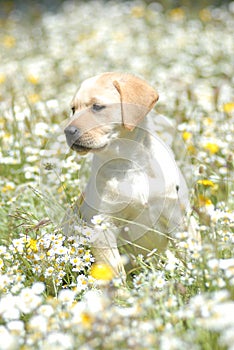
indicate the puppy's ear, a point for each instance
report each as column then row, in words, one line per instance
column 137, row 98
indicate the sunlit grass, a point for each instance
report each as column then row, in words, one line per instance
column 52, row 293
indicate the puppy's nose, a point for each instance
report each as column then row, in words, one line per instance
column 71, row 131
column 72, row 134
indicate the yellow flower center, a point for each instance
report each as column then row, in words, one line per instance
column 86, row 319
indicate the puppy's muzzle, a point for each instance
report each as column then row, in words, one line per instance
column 74, row 140
column 72, row 134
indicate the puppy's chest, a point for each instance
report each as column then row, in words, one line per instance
column 129, row 187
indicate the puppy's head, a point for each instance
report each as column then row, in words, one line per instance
column 103, row 105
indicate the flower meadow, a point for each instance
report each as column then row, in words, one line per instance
column 52, row 293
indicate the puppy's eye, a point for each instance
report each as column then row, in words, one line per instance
column 73, row 109
column 97, row 108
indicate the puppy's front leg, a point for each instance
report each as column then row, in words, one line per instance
column 105, row 250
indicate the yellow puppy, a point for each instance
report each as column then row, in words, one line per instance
column 135, row 182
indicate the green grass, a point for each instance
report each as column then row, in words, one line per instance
column 49, row 297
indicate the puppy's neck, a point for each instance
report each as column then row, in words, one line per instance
column 125, row 143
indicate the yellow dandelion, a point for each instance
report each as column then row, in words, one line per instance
column 33, row 79
column 206, row 182
column 34, row 98
column 213, row 148
column 228, row 107
column 1, row 263
column 2, row 121
column 187, row 135
column 7, row 187
column 9, row 41
column 205, row 15
column 61, row 189
column 25, row 347
column 203, row 201
column 7, row 135
column 138, row 12
column 101, row 271
column 2, row 78
column 191, row 149
column 32, row 244
column 177, row 14
column 160, row 327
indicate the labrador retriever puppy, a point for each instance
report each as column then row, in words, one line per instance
column 135, row 182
